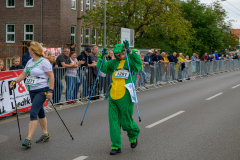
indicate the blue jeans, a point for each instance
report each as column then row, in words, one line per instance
column 77, row 85
column 58, row 89
column 70, row 86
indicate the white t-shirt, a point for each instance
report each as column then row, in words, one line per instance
column 40, row 72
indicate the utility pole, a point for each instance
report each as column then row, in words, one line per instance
column 105, row 23
column 78, row 28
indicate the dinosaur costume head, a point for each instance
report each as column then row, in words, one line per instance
column 118, row 48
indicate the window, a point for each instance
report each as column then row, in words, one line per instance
column 10, row 33
column 73, row 4
column 81, row 35
column 73, row 31
column 94, row 36
column 10, row 3
column 87, row 4
column 94, row 5
column 29, row 3
column 87, row 36
column 81, row 5
column 28, row 32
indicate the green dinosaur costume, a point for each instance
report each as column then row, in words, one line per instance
column 121, row 106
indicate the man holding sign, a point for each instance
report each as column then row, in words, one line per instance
column 121, row 104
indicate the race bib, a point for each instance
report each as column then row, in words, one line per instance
column 31, row 81
column 122, row 73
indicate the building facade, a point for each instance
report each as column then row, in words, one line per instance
column 51, row 22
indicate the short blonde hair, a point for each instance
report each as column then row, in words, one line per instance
column 142, row 55
column 1, row 61
column 94, row 47
column 15, row 57
column 37, row 48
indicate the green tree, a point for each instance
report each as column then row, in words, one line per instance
column 211, row 31
column 157, row 23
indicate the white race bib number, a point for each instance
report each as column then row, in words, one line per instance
column 31, row 81
column 122, row 73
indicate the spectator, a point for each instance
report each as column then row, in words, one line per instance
column 93, row 75
column 198, row 63
column 26, row 57
column 180, row 66
column 194, row 62
column 72, row 47
column 85, row 56
column 166, row 61
column 173, row 61
column 142, row 74
column 187, row 66
column 111, row 55
column 48, row 53
column 16, row 62
column 225, row 57
column 204, row 65
column 71, row 78
column 149, row 65
column 63, row 60
column 158, row 60
column 216, row 55
column 105, row 79
column 1, row 65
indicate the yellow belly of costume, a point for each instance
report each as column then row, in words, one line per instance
column 118, row 89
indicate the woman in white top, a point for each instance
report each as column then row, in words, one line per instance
column 71, row 78
column 39, row 80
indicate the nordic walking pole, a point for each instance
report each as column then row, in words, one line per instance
column 16, row 111
column 92, row 91
column 60, row 117
column 132, row 82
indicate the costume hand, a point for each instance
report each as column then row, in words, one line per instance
column 126, row 44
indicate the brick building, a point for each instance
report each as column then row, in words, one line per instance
column 20, row 20
column 237, row 32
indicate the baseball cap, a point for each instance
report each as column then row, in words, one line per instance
column 88, row 49
column 150, row 51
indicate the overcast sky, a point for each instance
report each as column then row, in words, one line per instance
column 232, row 8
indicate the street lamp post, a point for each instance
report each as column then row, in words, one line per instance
column 104, row 23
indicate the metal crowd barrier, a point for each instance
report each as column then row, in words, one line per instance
column 78, row 89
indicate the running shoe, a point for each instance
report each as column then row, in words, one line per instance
column 43, row 138
column 27, row 143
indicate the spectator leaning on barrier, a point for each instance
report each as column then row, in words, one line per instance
column 71, row 78
column 16, row 62
column 48, row 53
column 93, row 75
column 63, row 60
column 216, row 55
column 180, row 66
column 204, row 64
column 26, row 57
column 187, row 66
column 194, row 61
column 165, row 62
column 85, row 56
column 149, row 65
column 173, row 60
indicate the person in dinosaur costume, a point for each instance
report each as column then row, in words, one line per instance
column 121, row 107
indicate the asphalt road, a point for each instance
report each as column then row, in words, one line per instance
column 192, row 124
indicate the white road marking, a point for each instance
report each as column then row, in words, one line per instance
column 165, row 119
column 214, row 96
column 236, row 86
column 81, row 158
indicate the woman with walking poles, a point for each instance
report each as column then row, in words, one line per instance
column 39, row 79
